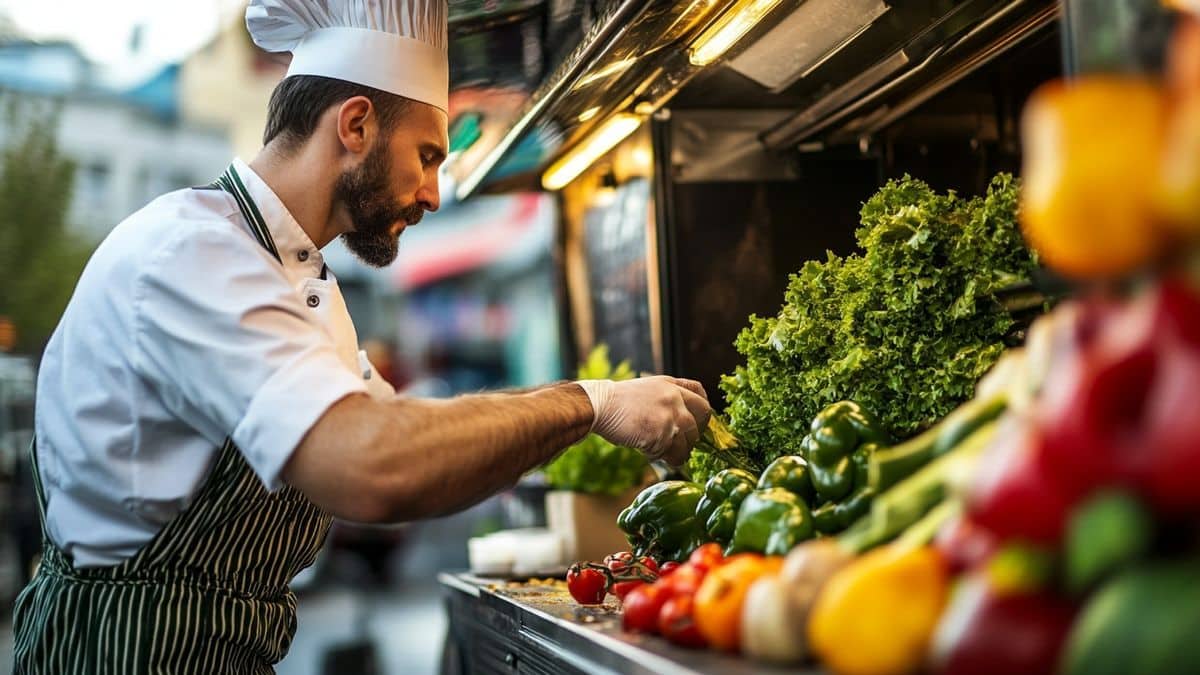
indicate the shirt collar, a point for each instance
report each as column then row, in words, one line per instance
column 296, row 251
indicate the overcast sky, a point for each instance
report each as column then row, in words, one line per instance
column 103, row 28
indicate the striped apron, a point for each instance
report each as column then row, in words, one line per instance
column 208, row 594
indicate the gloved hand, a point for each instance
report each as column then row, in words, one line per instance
column 661, row 416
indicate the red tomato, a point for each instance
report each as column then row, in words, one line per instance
column 685, row 579
column 587, row 585
column 667, row 568
column 676, row 624
column 629, row 573
column 623, row 588
column 618, row 562
column 707, row 557
column 642, row 606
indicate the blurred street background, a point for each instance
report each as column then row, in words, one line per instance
column 103, row 107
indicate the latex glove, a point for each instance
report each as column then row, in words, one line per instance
column 661, row 416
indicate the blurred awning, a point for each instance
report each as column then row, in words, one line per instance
column 482, row 233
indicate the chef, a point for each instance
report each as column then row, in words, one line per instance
column 203, row 410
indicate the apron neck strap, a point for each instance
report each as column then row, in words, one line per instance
column 232, row 183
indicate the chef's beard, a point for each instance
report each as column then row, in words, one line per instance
column 373, row 211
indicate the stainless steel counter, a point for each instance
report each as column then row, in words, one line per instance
column 502, row 627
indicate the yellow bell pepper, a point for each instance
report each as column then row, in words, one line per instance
column 877, row 615
column 1178, row 197
column 1093, row 154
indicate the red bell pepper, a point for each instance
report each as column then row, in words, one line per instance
column 1170, row 462
column 984, row 632
column 964, row 544
column 1012, row 495
column 1119, row 407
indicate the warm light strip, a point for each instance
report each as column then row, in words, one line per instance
column 613, row 131
column 727, row 30
column 603, row 73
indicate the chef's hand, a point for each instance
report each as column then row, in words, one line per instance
column 661, row 416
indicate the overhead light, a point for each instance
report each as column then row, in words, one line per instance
column 727, row 30
column 604, row 73
column 642, row 159
column 805, row 39
column 588, row 114
column 614, row 130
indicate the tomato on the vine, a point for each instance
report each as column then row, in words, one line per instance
column 618, row 562
column 587, row 585
column 624, row 588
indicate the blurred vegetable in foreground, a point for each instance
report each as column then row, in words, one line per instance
column 876, row 616
column 1112, row 166
column 1145, row 621
column 1086, row 199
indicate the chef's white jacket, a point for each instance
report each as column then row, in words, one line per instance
column 184, row 331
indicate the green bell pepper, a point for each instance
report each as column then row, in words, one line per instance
column 771, row 521
column 836, row 516
column 789, row 472
column 661, row 522
column 839, row 449
column 723, row 494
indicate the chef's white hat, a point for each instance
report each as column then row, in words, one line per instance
column 398, row 46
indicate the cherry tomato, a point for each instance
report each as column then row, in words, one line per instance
column 618, row 562
column 586, row 585
column 629, row 573
column 676, row 624
column 642, row 607
column 623, row 588
column 685, row 579
column 667, row 568
column 707, row 557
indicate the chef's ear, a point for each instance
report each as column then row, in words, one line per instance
column 357, row 124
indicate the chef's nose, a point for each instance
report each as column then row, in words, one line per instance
column 428, row 196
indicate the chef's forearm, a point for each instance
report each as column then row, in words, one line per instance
column 413, row 458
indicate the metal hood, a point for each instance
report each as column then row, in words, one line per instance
column 830, row 71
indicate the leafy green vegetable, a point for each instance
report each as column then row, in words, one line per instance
column 905, row 328
column 593, row 465
column 719, row 449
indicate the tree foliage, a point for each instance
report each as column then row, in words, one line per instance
column 39, row 254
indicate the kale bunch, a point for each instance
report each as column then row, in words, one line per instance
column 905, row 327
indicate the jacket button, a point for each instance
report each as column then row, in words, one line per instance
column 302, row 255
column 313, row 301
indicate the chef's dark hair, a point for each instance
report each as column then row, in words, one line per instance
column 299, row 101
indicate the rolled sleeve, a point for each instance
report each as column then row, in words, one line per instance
column 230, row 348
column 285, row 407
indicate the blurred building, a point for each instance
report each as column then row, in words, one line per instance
column 227, row 85
column 129, row 141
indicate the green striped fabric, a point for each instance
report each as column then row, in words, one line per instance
column 208, row 594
